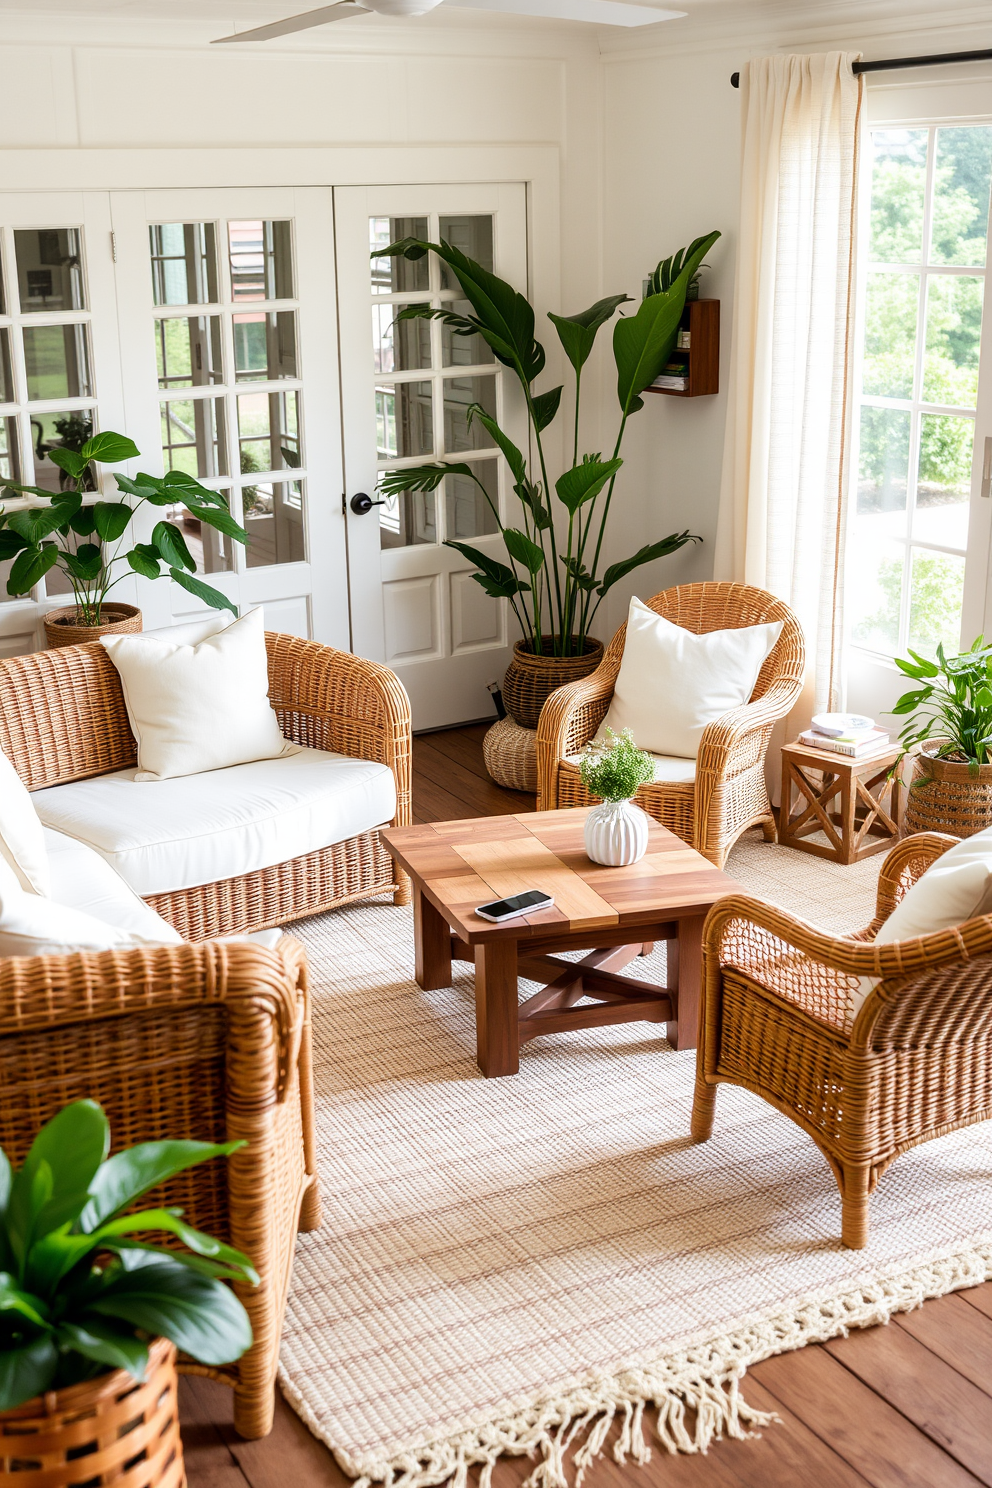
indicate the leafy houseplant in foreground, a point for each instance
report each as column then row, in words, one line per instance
column 616, row 833
column 83, row 1289
column 949, row 723
column 553, row 580
column 84, row 541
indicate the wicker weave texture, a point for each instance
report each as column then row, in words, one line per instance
column 209, row 1042
column 62, row 718
column 729, row 794
column 777, row 1018
column 510, row 753
column 62, row 627
column 948, row 796
column 530, row 679
column 109, row 1431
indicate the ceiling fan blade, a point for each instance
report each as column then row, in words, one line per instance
column 339, row 12
column 600, row 12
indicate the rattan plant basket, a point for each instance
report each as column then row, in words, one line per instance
column 531, row 679
column 948, row 796
column 109, row 1431
column 510, row 753
column 62, row 627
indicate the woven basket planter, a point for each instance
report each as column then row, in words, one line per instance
column 531, row 679
column 107, row 1431
column 948, row 796
column 62, row 627
column 510, row 753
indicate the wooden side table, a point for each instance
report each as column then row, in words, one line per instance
column 855, row 803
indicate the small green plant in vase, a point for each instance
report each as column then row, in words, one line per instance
column 949, row 730
column 614, row 769
column 83, row 1288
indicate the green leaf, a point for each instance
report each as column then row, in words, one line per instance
column 72, row 1146
column 169, row 1221
column 71, row 461
column 200, row 1315
column 530, row 495
column 579, row 574
column 171, row 544
column 104, row 1343
column 53, row 1257
column 144, row 487
column 545, row 408
column 420, row 477
column 203, row 591
column 10, row 543
column 127, row 1175
column 180, row 485
column 35, row 524
column 908, row 702
column 497, row 579
column 14, row 488
column 111, row 519
column 67, row 504
column 30, row 566
column 585, row 481
column 647, row 554
column 14, row 1300
column 220, row 518
column 85, row 563
column 520, row 547
column 144, row 558
column 643, row 342
column 6, row 1179
column 84, row 521
column 475, row 413
column 27, row 1372
column 110, row 449
column 577, row 333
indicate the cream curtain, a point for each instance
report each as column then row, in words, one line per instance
column 782, row 501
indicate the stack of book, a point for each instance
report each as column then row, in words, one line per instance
column 674, row 376
column 860, row 742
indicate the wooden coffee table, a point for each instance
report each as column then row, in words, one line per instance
column 620, row 912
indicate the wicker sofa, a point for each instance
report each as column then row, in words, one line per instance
column 728, row 793
column 778, row 1017
column 63, row 719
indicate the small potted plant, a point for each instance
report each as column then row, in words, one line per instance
column 83, row 540
column 92, row 1312
column 949, row 724
column 616, row 832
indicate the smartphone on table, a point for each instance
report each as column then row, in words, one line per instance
column 518, row 904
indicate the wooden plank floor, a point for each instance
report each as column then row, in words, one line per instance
column 905, row 1406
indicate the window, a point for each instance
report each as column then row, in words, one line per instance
column 228, row 376
column 47, row 393
column 922, row 317
column 426, row 380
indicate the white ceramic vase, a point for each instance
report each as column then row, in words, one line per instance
column 616, row 833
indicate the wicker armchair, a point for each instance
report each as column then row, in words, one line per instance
column 210, row 1042
column 62, row 717
column 777, row 1017
column 729, row 793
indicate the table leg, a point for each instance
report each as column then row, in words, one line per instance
column 687, row 952
column 496, row 1028
column 432, row 944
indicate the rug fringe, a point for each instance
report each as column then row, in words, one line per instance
column 704, row 1380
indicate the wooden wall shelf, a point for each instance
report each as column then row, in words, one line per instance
column 702, row 320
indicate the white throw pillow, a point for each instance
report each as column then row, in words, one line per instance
column 33, row 925
column 22, row 836
column 957, row 887
column 672, row 682
column 202, row 707
column 190, row 632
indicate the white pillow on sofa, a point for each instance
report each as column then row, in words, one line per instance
column 957, row 887
column 202, row 707
column 22, row 836
column 672, row 682
column 33, row 925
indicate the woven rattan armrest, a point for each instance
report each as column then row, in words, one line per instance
column 571, row 717
column 907, row 862
column 720, row 745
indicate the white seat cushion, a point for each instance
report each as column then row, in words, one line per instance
column 82, row 879
column 668, row 768
column 166, row 835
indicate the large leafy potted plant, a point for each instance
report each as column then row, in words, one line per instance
column 92, row 1311
column 552, row 580
column 84, row 540
column 949, row 725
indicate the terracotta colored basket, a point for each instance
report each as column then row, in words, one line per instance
column 948, row 796
column 62, row 627
column 510, row 753
column 530, row 680
column 108, row 1431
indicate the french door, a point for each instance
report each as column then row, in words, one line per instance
column 406, row 390
column 202, row 324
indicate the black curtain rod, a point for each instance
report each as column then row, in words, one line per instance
column 892, row 63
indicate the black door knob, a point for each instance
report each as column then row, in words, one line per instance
column 361, row 503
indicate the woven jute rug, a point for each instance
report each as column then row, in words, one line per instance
column 507, row 1265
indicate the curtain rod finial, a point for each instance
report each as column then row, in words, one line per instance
column 735, row 79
